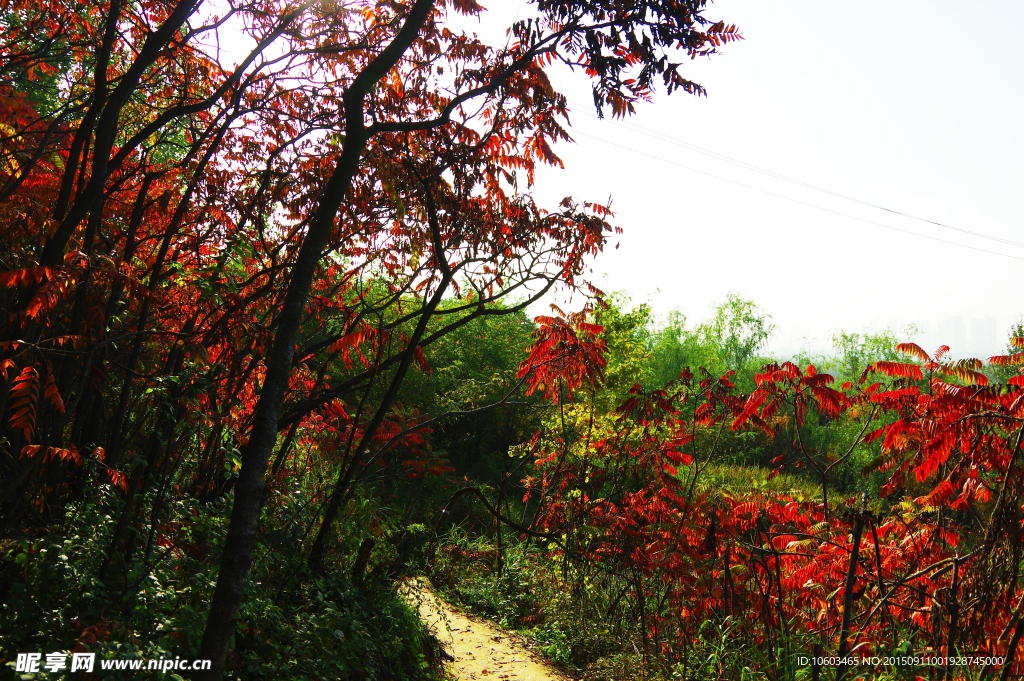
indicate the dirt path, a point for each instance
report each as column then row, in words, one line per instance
column 481, row 650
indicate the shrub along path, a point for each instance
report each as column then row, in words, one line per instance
column 482, row 651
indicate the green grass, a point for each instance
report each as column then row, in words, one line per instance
column 741, row 479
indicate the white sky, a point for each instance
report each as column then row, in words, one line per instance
column 908, row 104
column 912, row 105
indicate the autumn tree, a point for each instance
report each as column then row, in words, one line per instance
column 520, row 119
column 190, row 231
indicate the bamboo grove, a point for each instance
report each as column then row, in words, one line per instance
column 233, row 232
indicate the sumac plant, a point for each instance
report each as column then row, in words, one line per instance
column 228, row 224
column 931, row 560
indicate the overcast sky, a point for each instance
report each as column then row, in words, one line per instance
column 913, row 106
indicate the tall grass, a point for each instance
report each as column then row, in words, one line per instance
column 741, row 479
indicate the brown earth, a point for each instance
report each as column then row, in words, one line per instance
column 482, row 651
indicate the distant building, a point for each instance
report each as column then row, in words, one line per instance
column 924, row 336
column 984, row 342
column 953, row 332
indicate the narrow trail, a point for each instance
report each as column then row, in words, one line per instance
column 482, row 651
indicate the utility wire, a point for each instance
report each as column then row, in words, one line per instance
column 749, row 166
column 787, row 198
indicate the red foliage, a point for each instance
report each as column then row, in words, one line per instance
column 567, row 352
column 771, row 561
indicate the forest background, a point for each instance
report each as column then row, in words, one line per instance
column 265, row 353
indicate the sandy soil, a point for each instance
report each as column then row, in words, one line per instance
column 482, row 651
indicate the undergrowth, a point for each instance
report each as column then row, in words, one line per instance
column 581, row 622
column 293, row 625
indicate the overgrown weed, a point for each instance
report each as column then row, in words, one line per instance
column 293, row 625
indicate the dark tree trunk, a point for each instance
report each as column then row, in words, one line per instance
column 851, row 576
column 345, row 478
column 241, row 537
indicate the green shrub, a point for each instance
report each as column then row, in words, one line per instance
column 155, row 606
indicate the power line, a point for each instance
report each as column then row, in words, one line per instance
column 787, row 198
column 749, row 166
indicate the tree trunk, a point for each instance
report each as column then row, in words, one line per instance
column 345, row 478
column 851, row 575
column 241, row 536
